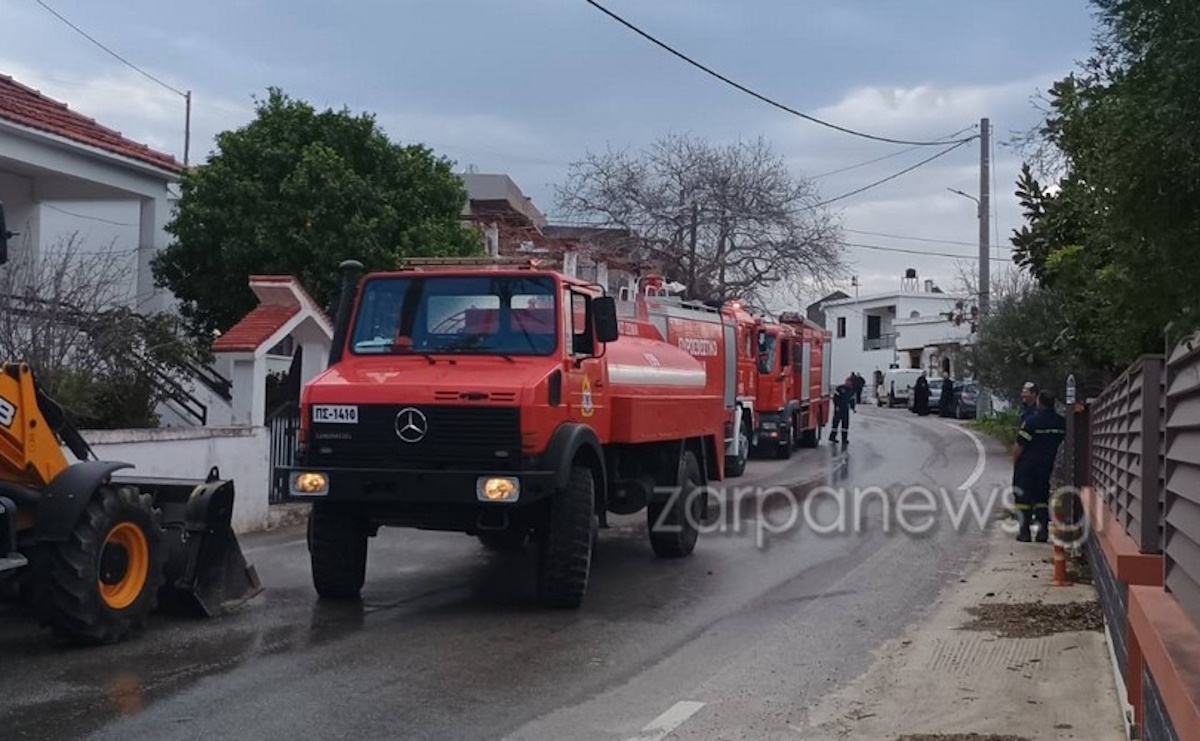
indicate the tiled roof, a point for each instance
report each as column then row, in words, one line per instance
column 27, row 107
column 255, row 329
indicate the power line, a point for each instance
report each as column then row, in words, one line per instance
column 753, row 93
column 923, row 253
column 954, row 242
column 52, row 207
column 874, row 160
column 117, row 56
column 893, row 176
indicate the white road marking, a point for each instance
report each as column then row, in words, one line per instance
column 979, row 463
column 676, row 715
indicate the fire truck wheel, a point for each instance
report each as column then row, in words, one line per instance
column 337, row 545
column 736, row 465
column 784, row 450
column 810, row 437
column 565, row 548
column 673, row 530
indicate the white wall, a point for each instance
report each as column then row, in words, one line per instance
column 242, row 454
column 919, row 334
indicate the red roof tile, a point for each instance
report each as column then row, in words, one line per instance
column 255, row 329
column 27, row 107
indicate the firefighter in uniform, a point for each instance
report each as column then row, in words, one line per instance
column 843, row 402
column 1037, row 445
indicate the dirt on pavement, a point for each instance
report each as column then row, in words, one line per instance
column 961, row 738
column 1035, row 619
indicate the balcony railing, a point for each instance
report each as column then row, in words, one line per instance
column 886, row 342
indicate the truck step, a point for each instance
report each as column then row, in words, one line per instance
column 12, row 561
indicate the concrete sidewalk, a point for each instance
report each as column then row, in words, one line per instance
column 986, row 665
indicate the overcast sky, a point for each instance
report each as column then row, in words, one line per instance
column 526, row 86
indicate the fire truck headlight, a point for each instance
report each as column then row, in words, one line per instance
column 310, row 483
column 497, row 489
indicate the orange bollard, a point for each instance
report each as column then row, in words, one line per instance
column 1060, row 567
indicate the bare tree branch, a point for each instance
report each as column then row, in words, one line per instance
column 756, row 225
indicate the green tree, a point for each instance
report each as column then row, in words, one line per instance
column 1115, row 240
column 296, row 191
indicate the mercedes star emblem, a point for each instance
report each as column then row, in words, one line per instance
column 411, row 425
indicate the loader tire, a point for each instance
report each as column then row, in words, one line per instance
column 100, row 585
column 673, row 532
column 565, row 547
column 337, row 547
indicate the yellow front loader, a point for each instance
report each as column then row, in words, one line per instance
column 94, row 554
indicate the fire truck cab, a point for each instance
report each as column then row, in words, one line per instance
column 511, row 403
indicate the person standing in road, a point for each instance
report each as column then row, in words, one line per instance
column 859, row 383
column 1033, row 464
column 843, row 404
column 946, row 399
column 921, row 395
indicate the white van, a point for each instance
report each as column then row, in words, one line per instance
column 897, row 386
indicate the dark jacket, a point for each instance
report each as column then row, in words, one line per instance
column 1040, row 436
column 843, row 398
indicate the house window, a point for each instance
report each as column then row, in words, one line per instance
column 874, row 327
column 841, row 328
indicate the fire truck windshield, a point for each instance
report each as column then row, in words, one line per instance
column 766, row 352
column 482, row 315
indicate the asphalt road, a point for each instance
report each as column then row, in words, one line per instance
column 734, row 642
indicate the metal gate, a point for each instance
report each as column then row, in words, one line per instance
column 283, row 423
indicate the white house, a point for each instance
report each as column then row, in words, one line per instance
column 51, row 155
column 908, row 328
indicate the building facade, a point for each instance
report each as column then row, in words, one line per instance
column 909, row 328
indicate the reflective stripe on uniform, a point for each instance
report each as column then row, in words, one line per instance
column 1024, row 435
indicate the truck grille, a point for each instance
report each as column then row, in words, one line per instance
column 456, row 438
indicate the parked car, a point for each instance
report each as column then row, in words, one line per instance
column 966, row 397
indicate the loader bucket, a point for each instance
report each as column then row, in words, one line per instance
column 205, row 568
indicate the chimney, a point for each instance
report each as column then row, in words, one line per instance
column 928, row 285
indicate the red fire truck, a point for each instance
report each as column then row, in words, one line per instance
column 811, row 366
column 778, row 408
column 723, row 338
column 513, row 404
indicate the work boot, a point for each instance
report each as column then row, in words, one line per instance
column 1024, row 535
column 1043, row 523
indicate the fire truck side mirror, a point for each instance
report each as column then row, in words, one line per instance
column 604, row 312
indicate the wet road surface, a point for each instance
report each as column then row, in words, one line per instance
column 733, row 642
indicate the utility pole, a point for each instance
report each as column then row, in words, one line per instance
column 985, row 210
column 695, row 226
column 187, row 127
